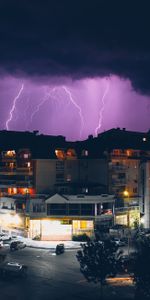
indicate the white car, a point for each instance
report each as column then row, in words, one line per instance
column 4, row 237
column 13, row 269
column 16, row 245
column 119, row 243
column 1, row 244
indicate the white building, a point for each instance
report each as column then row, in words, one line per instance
column 60, row 217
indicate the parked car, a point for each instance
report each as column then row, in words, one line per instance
column 60, row 249
column 16, row 245
column 12, row 269
column 119, row 242
column 4, row 237
column 1, row 244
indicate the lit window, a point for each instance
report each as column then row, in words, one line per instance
column 129, row 152
column 144, row 139
column 26, row 155
column 14, row 190
column 71, row 153
column 11, row 165
column 10, row 153
column 28, row 164
column 25, row 191
column 60, row 154
column 68, row 177
column 116, row 152
column 85, row 152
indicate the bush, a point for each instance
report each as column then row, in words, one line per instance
column 37, row 238
column 81, row 238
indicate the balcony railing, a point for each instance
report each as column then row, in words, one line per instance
column 127, row 208
column 117, row 167
column 15, row 183
column 119, row 181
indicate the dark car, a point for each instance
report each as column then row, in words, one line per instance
column 60, row 249
column 12, row 269
column 16, row 245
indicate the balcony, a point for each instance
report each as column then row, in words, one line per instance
column 14, row 183
column 16, row 171
column 126, row 209
column 117, row 167
column 118, row 182
column 6, row 183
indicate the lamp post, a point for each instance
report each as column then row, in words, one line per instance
column 126, row 194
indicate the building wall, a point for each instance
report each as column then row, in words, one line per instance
column 145, row 193
column 45, row 175
column 58, row 229
column 123, row 174
column 93, row 170
column 51, row 174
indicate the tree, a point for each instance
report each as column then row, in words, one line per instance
column 98, row 260
column 141, row 270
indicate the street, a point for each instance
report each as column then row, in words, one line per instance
column 52, row 277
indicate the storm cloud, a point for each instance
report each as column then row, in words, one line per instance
column 76, row 39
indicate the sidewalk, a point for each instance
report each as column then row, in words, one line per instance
column 50, row 244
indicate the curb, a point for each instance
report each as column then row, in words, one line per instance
column 45, row 248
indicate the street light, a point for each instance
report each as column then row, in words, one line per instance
column 126, row 194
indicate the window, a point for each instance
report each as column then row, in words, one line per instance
column 87, row 209
column 59, row 209
column 60, row 154
column 121, row 176
column 38, row 207
column 71, row 153
column 68, row 179
column 74, row 209
column 85, row 152
column 59, row 177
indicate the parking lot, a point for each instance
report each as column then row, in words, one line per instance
column 51, row 276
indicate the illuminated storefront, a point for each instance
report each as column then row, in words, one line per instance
column 12, row 223
column 128, row 217
column 46, row 229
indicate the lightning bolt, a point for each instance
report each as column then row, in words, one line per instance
column 50, row 94
column 13, row 107
column 102, row 109
column 76, row 105
column 46, row 97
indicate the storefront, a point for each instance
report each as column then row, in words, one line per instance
column 46, row 229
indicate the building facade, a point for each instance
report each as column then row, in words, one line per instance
column 61, row 217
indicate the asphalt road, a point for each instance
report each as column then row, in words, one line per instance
column 53, row 277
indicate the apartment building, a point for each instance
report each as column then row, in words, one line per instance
column 16, row 172
column 110, row 164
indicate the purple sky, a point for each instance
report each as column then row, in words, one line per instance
column 75, row 109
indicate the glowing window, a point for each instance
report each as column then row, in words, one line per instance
column 10, row 153
column 14, row 190
column 60, row 154
column 68, row 177
column 71, row 153
column 11, row 165
column 85, row 152
column 116, row 152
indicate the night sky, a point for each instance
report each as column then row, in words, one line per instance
column 74, row 67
